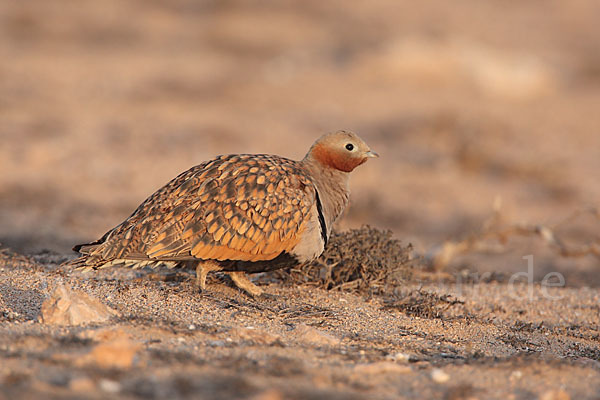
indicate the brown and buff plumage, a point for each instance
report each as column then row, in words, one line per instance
column 237, row 213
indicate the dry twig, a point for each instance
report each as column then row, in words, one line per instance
column 494, row 229
column 364, row 260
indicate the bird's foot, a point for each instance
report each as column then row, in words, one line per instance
column 241, row 280
column 202, row 270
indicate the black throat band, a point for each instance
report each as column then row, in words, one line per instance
column 321, row 218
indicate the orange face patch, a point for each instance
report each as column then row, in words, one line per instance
column 334, row 158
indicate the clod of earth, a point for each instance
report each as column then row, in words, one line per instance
column 423, row 304
column 254, row 335
column 308, row 334
column 73, row 307
column 118, row 351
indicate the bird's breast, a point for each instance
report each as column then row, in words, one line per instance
column 311, row 243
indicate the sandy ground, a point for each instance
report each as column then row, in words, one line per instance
column 478, row 109
column 430, row 340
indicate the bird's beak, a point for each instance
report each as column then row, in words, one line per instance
column 371, row 154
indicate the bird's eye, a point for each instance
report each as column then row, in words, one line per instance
column 349, row 147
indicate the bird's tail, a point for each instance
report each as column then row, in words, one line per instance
column 84, row 263
column 91, row 262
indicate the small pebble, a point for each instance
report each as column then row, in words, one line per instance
column 399, row 357
column 109, row 386
column 439, row 376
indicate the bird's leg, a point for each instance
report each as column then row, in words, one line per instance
column 241, row 280
column 202, row 270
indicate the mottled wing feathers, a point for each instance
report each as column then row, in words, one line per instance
column 238, row 207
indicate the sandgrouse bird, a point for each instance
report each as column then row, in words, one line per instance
column 237, row 213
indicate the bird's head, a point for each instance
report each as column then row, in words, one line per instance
column 340, row 150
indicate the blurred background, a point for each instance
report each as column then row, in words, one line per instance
column 470, row 104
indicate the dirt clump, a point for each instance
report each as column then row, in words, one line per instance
column 73, row 307
column 421, row 303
